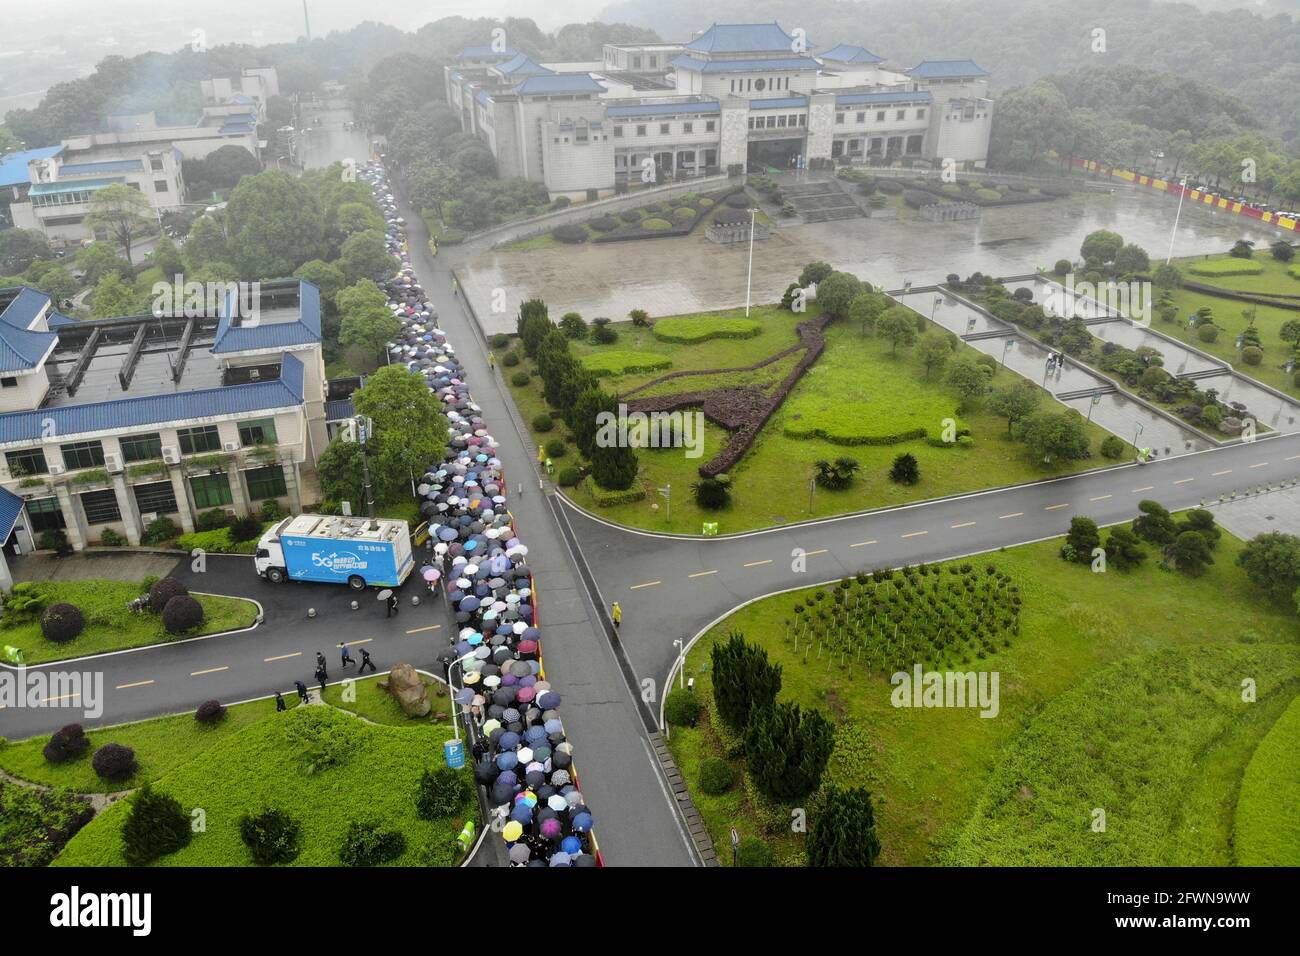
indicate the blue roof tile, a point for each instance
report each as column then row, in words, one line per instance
column 96, row 169
column 272, row 335
column 68, row 420
column 946, row 69
column 10, row 507
column 21, row 347
column 785, row 63
column 742, row 38
column 663, row 109
column 339, row 409
column 559, row 83
column 521, row 65
column 13, row 167
column 848, row 53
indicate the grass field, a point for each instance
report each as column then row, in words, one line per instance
column 372, row 774
column 110, row 626
column 1268, row 811
column 929, row 769
column 857, row 390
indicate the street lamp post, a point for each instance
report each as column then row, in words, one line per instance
column 361, row 426
column 455, row 728
column 934, row 309
column 749, row 279
column 681, row 662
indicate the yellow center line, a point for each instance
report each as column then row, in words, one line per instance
column 421, row 630
column 210, row 670
column 1259, row 464
column 1054, row 507
column 139, row 683
column 1101, row 497
column 913, row 534
column 1226, row 471
column 281, row 657
column 1014, row 514
column 1183, row 481
column 648, row 584
column 1143, row 488
column 863, row 544
column 964, row 524
column 702, row 574
column 809, row 554
column 754, row 564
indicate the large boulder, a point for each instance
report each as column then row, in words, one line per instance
column 405, row 683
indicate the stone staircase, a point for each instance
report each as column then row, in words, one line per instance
column 823, row 201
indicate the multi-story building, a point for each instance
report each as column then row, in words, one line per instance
column 738, row 95
column 111, row 423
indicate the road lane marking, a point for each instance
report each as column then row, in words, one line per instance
column 1292, row 458
column 863, row 544
column 281, row 657
column 964, row 524
column 754, row 564
column 1183, row 481
column 1101, row 497
column 648, row 584
column 364, row 640
column 913, row 534
column 1259, row 465
column 1143, row 488
column 421, row 630
column 1014, row 514
column 1226, row 471
column 139, row 683
column 809, row 554
column 50, row 700
column 210, row 670
column 702, row 574
column 1054, row 507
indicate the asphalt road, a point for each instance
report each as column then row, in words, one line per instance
column 672, row 587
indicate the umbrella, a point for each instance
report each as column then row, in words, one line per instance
column 512, row 831
column 384, row 595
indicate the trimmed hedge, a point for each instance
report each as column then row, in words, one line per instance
column 1226, row 267
column 716, row 776
column 607, row 499
column 543, row 422
column 624, row 362
column 691, row 329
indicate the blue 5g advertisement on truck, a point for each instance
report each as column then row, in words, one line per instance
column 316, row 559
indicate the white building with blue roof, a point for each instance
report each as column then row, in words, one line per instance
column 748, row 96
column 109, row 424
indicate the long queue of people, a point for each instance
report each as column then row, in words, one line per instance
column 522, row 757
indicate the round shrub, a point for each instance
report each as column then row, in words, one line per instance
column 67, row 742
column 441, row 793
column 570, row 233
column 655, row 224
column 572, row 326
column 247, row 528
column 1063, row 267
column 684, row 214
column 271, row 835
column 985, row 193
column 716, row 776
column 500, row 340
column 519, row 378
column 156, row 825
column 113, row 762
column 163, row 591
column 630, row 215
column 568, row 477
column 738, row 200
column 704, row 202
column 182, row 614
column 210, row 711
column 711, row 494
column 510, row 359
column 1252, row 355
column 556, row 448
column 754, row 852
column 111, row 539
column 681, row 708
column 604, row 224
column 602, row 333
column 561, row 202
column 368, row 844
column 1207, row 332
column 890, row 187
column 213, row 519
column 60, row 623
column 543, row 422
column 1112, row 447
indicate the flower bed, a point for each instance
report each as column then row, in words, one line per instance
column 980, row 194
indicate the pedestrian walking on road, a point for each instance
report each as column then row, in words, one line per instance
column 345, row 654
column 616, row 612
column 320, row 661
column 392, row 605
column 366, row 662
column 302, row 691
column 492, row 361
column 279, row 702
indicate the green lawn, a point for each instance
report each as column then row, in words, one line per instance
column 110, row 626
column 929, row 769
column 371, row 772
column 375, row 704
column 1268, row 812
column 858, row 388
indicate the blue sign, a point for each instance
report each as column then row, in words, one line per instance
column 454, row 752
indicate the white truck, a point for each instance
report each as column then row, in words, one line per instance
column 358, row 552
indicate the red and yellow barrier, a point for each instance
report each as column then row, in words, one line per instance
column 1191, row 195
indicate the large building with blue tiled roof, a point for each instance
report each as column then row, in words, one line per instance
column 108, row 424
column 748, row 95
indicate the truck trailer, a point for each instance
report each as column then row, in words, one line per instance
column 358, row 552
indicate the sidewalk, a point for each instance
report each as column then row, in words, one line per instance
column 110, row 566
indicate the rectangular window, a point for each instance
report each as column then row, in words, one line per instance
column 920, row 114
column 861, row 118
column 710, row 157
column 709, row 127
column 100, row 507
column 688, row 127
column 663, row 129
column 211, row 491
column 83, row 454
column 44, row 514
column 156, row 498
column 141, row 447
column 771, row 122
column 902, row 114
column 618, row 132
column 160, row 185
column 23, row 464
column 636, row 63
column 780, row 121
column 260, row 431
column 8, row 382
column 803, row 120
column 196, row 440
column 640, row 130
column 880, row 116
column 156, row 163
column 265, row 482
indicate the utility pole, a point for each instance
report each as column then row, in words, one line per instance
column 362, row 428
column 749, row 278
column 306, row 22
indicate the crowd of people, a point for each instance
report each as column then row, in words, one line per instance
column 522, row 757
